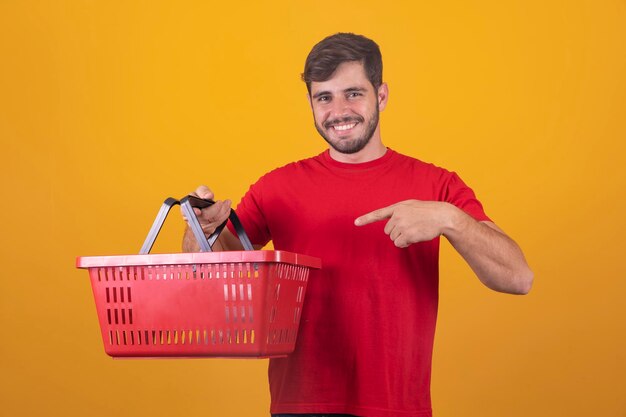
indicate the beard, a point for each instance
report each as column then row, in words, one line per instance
column 350, row 146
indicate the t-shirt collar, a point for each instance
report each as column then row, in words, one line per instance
column 358, row 166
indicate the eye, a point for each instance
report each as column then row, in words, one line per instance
column 323, row 99
column 354, row 94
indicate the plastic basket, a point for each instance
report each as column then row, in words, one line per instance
column 206, row 304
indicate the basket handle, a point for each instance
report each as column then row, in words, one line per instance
column 207, row 243
column 187, row 203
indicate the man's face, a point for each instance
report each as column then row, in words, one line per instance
column 346, row 107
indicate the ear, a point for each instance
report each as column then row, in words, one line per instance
column 383, row 96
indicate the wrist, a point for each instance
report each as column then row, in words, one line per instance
column 454, row 221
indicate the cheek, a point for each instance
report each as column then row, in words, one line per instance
column 361, row 108
column 319, row 115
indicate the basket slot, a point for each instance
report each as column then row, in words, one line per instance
column 277, row 292
column 186, row 337
column 114, row 295
column 208, row 271
column 273, row 314
column 175, row 337
column 296, row 315
column 119, row 316
column 281, row 336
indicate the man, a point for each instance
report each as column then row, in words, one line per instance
column 375, row 218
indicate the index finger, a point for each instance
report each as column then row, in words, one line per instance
column 375, row 216
column 204, row 192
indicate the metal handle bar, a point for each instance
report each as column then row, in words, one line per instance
column 187, row 204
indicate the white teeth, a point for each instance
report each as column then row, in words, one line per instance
column 344, row 127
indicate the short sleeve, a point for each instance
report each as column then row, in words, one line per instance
column 250, row 213
column 458, row 193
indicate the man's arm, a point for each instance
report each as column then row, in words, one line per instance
column 495, row 258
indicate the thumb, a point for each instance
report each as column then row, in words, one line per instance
column 375, row 216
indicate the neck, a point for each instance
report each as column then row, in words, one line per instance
column 359, row 157
column 373, row 150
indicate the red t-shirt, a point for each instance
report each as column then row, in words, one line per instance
column 366, row 334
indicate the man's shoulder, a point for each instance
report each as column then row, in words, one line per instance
column 293, row 169
column 414, row 163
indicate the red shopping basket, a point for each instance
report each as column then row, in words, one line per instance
column 206, row 304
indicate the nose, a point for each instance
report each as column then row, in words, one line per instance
column 340, row 107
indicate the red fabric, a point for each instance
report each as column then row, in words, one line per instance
column 366, row 334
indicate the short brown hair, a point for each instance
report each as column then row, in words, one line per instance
column 336, row 49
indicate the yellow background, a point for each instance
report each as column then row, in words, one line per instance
column 108, row 107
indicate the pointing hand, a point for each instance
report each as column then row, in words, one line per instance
column 410, row 221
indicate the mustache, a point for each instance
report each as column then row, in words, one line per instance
column 347, row 119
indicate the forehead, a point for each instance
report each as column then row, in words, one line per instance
column 347, row 75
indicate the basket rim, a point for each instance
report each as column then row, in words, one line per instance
column 199, row 258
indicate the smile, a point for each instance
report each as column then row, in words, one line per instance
column 344, row 127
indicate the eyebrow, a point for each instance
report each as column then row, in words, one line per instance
column 347, row 90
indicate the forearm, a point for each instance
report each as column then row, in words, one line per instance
column 494, row 257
